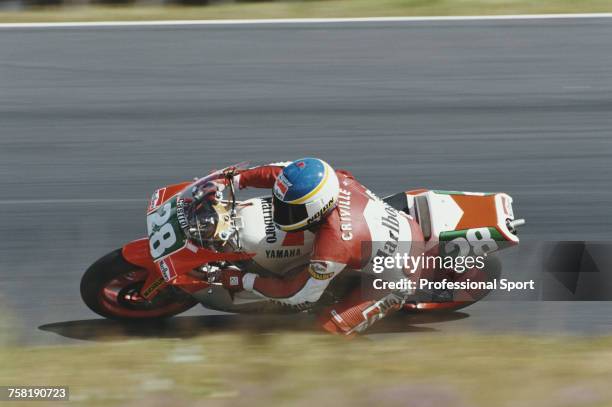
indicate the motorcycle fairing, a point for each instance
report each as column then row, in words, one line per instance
column 171, row 266
column 470, row 222
column 162, row 195
column 181, row 262
column 164, row 230
column 137, row 253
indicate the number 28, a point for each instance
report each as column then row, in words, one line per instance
column 164, row 238
column 477, row 239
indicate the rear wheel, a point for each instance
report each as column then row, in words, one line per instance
column 490, row 272
column 111, row 288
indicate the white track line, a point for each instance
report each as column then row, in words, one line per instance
column 302, row 21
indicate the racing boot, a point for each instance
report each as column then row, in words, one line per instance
column 355, row 314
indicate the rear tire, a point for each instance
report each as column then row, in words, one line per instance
column 106, row 285
column 492, row 270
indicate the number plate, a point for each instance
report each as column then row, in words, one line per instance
column 164, row 231
column 478, row 241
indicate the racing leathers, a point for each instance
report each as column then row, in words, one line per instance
column 360, row 228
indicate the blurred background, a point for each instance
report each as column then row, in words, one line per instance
column 21, row 4
column 86, row 10
column 93, row 119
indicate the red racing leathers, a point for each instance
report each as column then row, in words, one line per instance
column 360, row 227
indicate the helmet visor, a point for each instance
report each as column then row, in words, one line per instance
column 286, row 214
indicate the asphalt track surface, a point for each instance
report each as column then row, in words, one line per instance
column 92, row 120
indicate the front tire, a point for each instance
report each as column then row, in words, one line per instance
column 110, row 287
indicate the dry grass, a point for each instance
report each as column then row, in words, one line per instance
column 316, row 8
column 293, row 369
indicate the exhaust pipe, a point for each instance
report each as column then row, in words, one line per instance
column 513, row 224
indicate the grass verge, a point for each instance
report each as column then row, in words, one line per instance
column 306, row 9
column 293, row 369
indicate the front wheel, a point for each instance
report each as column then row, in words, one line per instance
column 111, row 288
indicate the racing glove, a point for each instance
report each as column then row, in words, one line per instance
column 231, row 279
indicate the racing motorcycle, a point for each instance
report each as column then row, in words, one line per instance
column 194, row 231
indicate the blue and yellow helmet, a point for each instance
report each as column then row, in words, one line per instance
column 304, row 193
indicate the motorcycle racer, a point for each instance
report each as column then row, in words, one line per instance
column 203, row 246
column 351, row 227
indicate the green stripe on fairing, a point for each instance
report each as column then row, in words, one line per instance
column 448, row 248
column 447, row 236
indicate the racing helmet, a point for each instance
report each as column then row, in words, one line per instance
column 304, row 193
